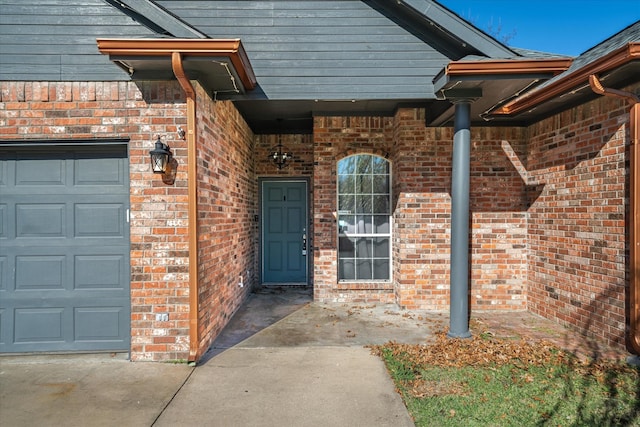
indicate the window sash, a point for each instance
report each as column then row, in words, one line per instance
column 364, row 219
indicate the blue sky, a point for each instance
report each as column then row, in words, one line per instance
column 567, row 27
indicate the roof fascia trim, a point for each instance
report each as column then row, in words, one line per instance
column 163, row 18
column 565, row 84
column 501, row 68
column 508, row 67
column 450, row 23
column 231, row 48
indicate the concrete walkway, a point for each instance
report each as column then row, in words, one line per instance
column 282, row 361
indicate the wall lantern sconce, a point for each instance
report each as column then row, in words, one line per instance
column 160, row 157
column 279, row 155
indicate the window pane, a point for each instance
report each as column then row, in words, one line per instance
column 365, row 224
column 347, row 224
column 381, row 184
column 381, row 223
column 346, row 204
column 347, row 269
column 380, row 165
column 363, row 204
column 364, row 164
column 347, row 166
column 381, row 204
column 381, row 269
column 346, row 184
column 346, row 247
column 381, row 248
column 364, row 248
column 364, row 270
column 364, row 184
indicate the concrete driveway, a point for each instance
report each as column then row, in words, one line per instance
column 85, row 390
column 282, row 361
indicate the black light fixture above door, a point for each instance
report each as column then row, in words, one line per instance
column 160, row 157
column 279, row 155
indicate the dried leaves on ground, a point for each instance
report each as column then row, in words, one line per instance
column 486, row 350
column 488, row 379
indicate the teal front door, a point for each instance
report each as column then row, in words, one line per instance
column 284, row 232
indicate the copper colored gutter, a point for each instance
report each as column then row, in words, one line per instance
column 634, row 230
column 177, row 50
column 509, row 67
column 227, row 48
column 192, row 190
column 633, row 338
column 575, row 79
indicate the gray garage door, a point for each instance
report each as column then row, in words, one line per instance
column 64, row 248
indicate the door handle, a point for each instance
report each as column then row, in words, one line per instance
column 304, row 243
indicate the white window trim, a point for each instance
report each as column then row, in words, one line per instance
column 365, row 235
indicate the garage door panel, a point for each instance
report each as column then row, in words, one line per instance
column 4, row 218
column 5, row 332
column 4, row 170
column 99, row 323
column 38, row 325
column 104, row 171
column 34, row 273
column 100, row 272
column 64, row 249
column 99, row 220
column 35, row 169
column 40, row 220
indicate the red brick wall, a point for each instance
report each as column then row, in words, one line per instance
column 422, row 229
column 421, row 173
column 577, row 266
column 498, row 221
column 548, row 235
column 159, row 255
column 159, row 212
column 227, row 203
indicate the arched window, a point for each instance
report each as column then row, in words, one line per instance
column 364, row 219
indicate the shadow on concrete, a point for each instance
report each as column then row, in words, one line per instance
column 264, row 307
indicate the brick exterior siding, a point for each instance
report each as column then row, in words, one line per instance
column 421, row 174
column 549, row 206
column 576, row 226
column 227, row 203
column 159, row 212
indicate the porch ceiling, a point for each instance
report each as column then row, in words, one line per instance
column 296, row 116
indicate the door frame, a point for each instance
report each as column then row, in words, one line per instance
column 260, row 220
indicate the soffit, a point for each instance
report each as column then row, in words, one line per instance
column 496, row 81
column 617, row 69
column 220, row 65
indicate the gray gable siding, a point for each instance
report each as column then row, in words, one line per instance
column 308, row 49
column 55, row 40
column 329, row 49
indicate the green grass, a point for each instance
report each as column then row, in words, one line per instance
column 561, row 392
